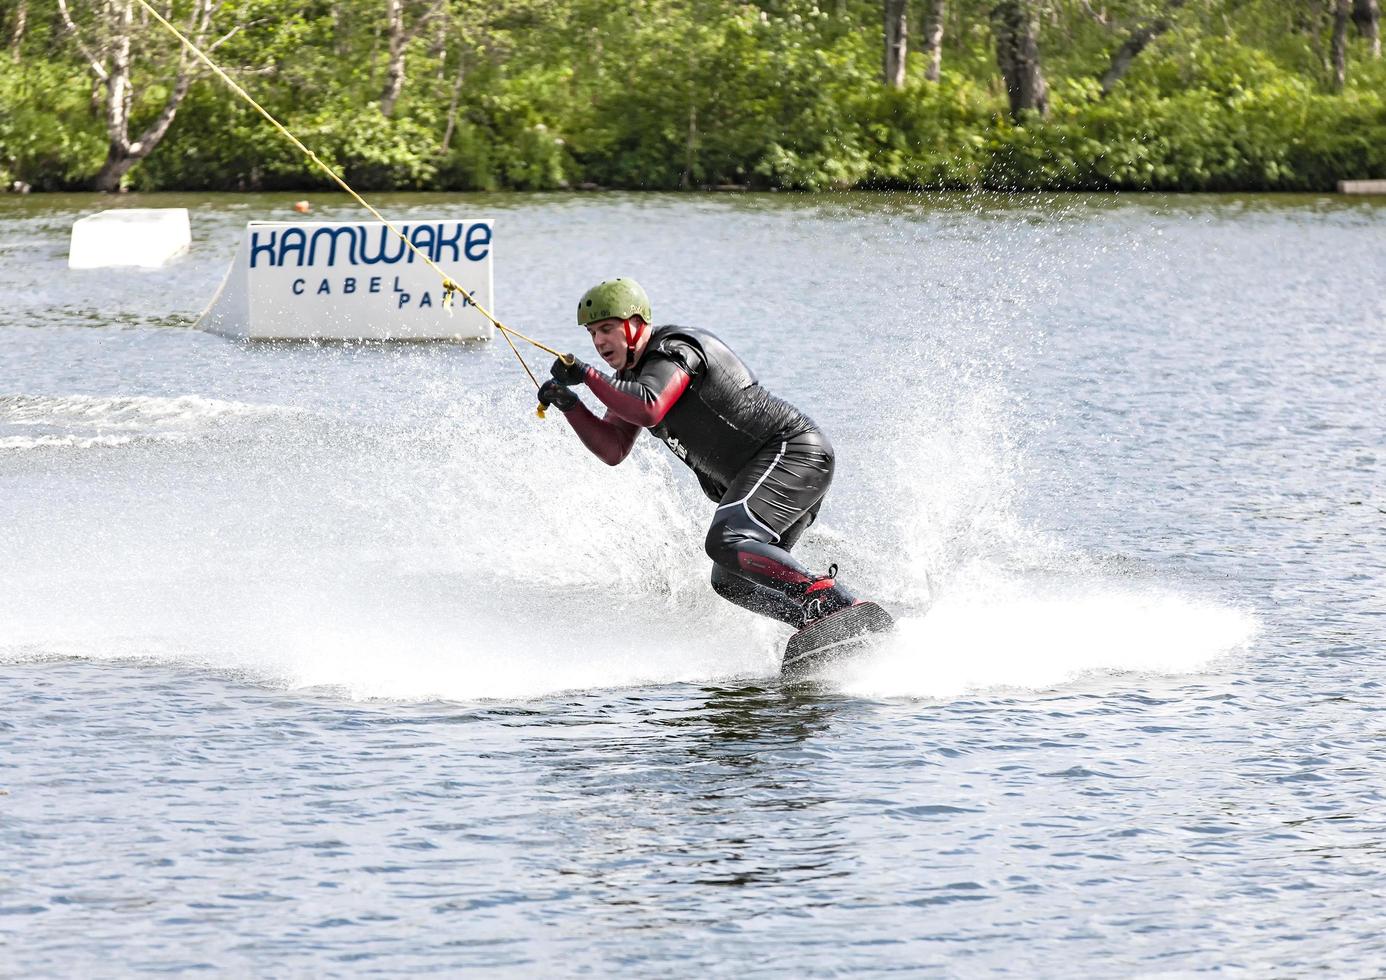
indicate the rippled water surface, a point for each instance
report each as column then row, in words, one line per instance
column 332, row 659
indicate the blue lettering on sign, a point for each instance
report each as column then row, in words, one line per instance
column 451, row 243
column 256, row 249
column 349, row 285
column 374, row 245
column 331, row 235
column 478, row 242
column 293, row 240
column 423, row 239
column 386, row 236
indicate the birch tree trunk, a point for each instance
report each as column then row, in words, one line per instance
column 897, row 20
column 21, row 22
column 456, row 98
column 933, row 39
column 1342, row 10
column 399, row 39
column 1136, row 42
column 1017, row 55
column 107, row 47
column 394, row 64
column 1367, row 15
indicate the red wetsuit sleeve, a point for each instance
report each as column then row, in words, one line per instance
column 610, row 439
column 645, row 400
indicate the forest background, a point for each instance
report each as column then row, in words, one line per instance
column 540, row 94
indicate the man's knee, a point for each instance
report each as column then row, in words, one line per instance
column 720, row 545
column 727, row 535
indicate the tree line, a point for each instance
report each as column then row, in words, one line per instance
column 542, row 94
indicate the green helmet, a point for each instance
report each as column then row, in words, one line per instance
column 618, row 299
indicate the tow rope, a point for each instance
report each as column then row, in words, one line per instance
column 450, row 286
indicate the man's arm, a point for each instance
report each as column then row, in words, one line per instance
column 645, row 400
column 610, row 438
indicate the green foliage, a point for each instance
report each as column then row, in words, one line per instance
column 690, row 93
column 48, row 136
column 506, row 137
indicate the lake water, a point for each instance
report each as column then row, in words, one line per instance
column 334, row 659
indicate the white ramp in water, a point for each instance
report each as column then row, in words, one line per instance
column 355, row 280
column 140, row 237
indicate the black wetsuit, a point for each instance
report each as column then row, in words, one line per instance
column 762, row 460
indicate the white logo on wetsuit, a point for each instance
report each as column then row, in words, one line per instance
column 673, row 443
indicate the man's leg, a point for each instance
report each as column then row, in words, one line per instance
column 737, row 588
column 762, row 514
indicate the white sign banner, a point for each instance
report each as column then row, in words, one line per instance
column 356, row 280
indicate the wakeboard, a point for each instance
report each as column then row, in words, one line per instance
column 834, row 638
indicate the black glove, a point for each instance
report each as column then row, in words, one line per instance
column 553, row 393
column 574, row 373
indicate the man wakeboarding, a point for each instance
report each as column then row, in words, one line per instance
column 762, row 461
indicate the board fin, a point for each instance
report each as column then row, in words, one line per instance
column 833, row 638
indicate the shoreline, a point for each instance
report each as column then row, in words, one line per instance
column 320, row 194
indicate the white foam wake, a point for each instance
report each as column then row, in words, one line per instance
column 86, row 421
column 63, row 442
column 119, row 411
column 1008, row 640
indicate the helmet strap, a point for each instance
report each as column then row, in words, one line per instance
column 633, row 335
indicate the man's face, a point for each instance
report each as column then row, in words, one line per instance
column 609, row 337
